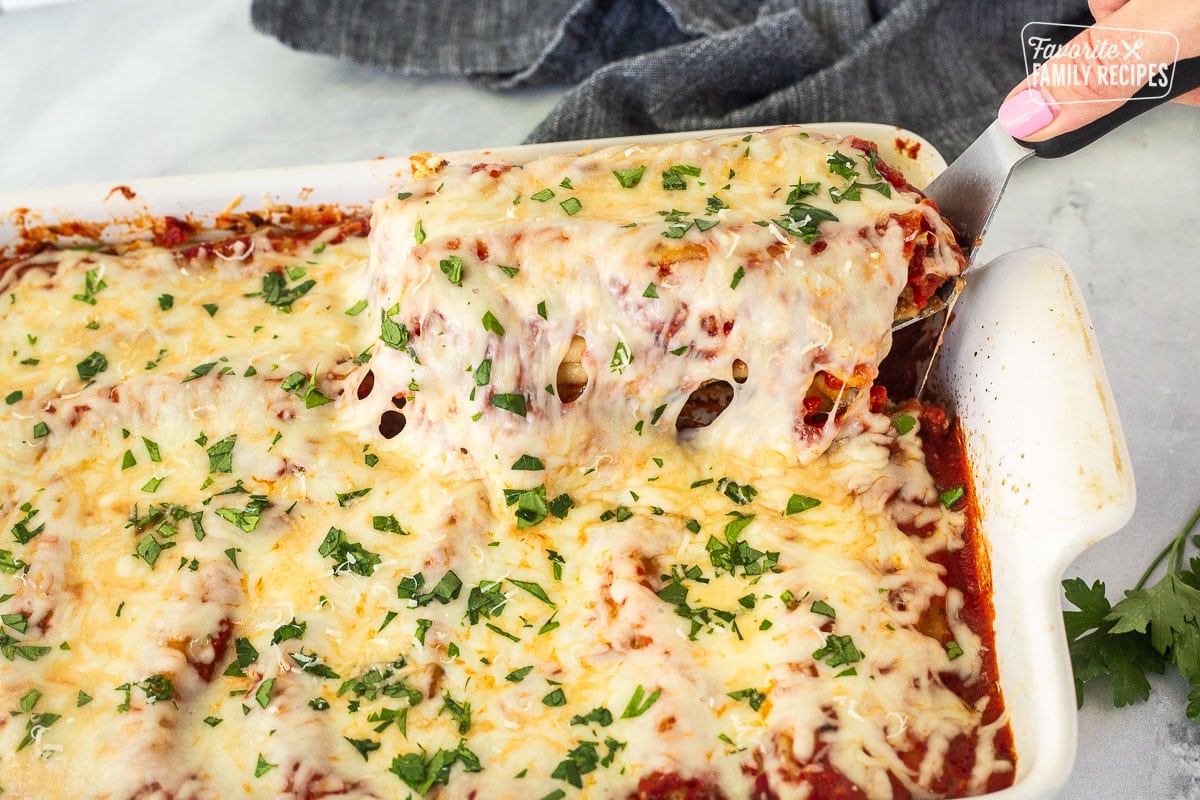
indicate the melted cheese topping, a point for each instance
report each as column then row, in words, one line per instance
column 219, row 580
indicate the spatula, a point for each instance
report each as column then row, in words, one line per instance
column 969, row 190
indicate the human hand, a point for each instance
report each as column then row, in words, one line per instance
column 1037, row 113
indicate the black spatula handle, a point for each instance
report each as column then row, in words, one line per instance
column 1187, row 77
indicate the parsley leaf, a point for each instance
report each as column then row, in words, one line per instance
column 531, row 505
column 348, row 556
column 452, row 268
column 93, row 365
column 640, row 702
column 276, row 291
column 514, row 403
column 629, row 178
column 220, row 455
column 800, row 502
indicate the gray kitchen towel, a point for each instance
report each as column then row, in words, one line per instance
column 938, row 67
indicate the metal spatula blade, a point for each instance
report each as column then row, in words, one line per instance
column 968, row 192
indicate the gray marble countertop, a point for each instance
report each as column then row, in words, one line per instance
column 115, row 90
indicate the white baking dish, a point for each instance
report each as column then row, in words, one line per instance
column 1019, row 366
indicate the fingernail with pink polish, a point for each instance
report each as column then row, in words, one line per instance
column 1026, row 113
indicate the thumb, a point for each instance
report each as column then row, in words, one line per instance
column 1087, row 79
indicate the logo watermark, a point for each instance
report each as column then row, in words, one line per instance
column 1110, row 57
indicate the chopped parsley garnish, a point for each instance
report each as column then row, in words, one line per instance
column 276, row 291
column 903, row 423
column 356, row 309
column 672, row 178
column 166, row 302
column 555, row 698
column 531, row 505
column 753, row 697
column 518, row 675
column 541, row 310
column 804, row 220
column 452, row 268
column 93, row 365
column 556, row 560
column 152, row 450
column 92, row 283
column 597, row 716
column 735, row 552
column 483, row 373
column 838, row 650
column 419, row 233
column 262, row 767
column 740, row 493
column 528, row 462
column 459, row 712
column 388, row 524
column 363, row 746
column 629, row 178
column 289, row 630
column 245, row 654
column 620, row 514
column 220, row 455
column 677, row 223
column 150, row 548
column 509, row 271
column 951, row 496
column 157, row 688
column 305, row 387
column 348, row 556
column 621, row 358
column 34, row 726
column 841, row 164
column 953, row 650
column 392, row 333
column 13, row 397
column 263, row 694
column 534, row 589
column 572, row 206
column 446, row 590
column 542, row 196
column 491, row 324
column 245, row 519
column 737, row 277
column 514, row 403
column 800, row 502
column 801, row 190
column 21, row 530
column 824, row 609
column 421, row 772
column 346, row 498
column 583, row 759
column 640, row 702
column 486, row 600
column 211, row 308
column 715, row 204
column 127, row 460
column 199, row 371
column 651, row 291
column 310, row 663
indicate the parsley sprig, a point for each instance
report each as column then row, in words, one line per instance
column 1151, row 627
